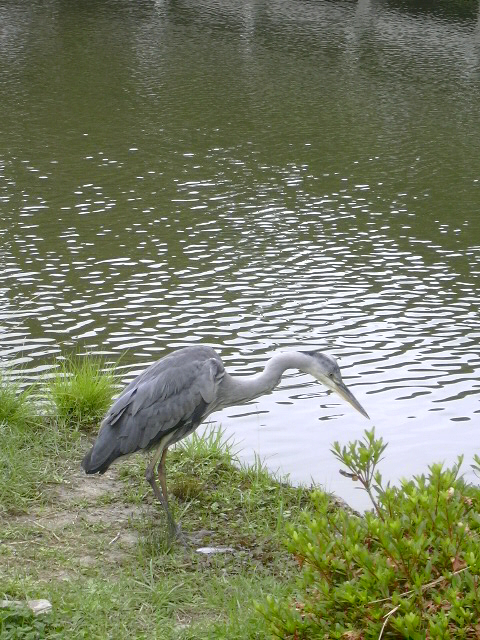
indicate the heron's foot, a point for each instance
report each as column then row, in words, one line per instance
column 175, row 534
column 197, row 538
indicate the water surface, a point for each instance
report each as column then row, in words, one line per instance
column 255, row 176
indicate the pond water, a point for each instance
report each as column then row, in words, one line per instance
column 256, row 176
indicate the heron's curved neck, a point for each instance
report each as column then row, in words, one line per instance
column 243, row 389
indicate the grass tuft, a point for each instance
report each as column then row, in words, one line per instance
column 82, row 391
column 17, row 408
column 209, row 445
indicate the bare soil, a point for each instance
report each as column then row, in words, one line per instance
column 84, row 517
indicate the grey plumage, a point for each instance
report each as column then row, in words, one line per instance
column 173, row 396
column 170, row 397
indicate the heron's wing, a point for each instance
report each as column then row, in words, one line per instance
column 170, row 397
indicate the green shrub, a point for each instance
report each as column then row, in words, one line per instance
column 408, row 569
column 81, row 391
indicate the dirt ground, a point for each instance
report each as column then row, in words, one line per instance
column 85, row 520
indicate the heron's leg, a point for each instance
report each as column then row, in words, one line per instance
column 161, row 474
column 161, row 497
column 175, row 529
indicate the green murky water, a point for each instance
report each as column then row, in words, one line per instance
column 257, row 176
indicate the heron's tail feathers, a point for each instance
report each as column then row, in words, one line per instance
column 94, row 462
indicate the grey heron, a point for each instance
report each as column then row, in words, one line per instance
column 170, row 399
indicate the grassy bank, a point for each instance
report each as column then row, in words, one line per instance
column 293, row 566
column 96, row 546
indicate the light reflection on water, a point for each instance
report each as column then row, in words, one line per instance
column 282, row 183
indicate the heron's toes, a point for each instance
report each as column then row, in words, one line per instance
column 176, row 534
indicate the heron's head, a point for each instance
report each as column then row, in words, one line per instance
column 325, row 369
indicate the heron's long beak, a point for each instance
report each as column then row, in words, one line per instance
column 347, row 395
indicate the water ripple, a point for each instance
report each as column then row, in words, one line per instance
column 254, row 181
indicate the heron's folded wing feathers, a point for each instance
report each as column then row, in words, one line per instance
column 161, row 400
